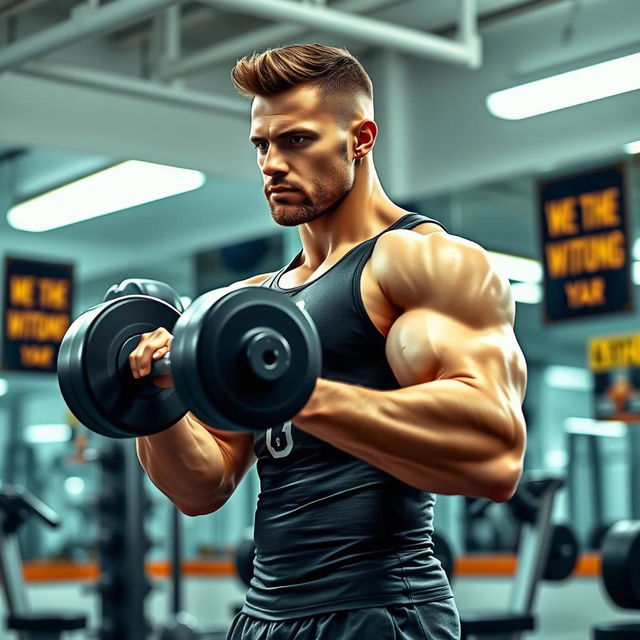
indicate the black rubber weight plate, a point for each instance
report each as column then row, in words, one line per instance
column 621, row 563
column 209, row 360
column 245, row 553
column 103, row 397
column 72, row 383
column 563, row 553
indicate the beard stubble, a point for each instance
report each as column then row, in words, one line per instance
column 325, row 199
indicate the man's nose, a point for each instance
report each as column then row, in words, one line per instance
column 274, row 162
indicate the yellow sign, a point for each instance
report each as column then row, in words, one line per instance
column 37, row 313
column 610, row 353
column 584, row 244
column 615, row 362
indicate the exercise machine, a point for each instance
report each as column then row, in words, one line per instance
column 16, row 506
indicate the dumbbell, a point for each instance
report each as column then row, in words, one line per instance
column 245, row 360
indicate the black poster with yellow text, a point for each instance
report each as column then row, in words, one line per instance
column 585, row 244
column 37, row 313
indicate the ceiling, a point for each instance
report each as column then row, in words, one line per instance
column 131, row 49
column 499, row 212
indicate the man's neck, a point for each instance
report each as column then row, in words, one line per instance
column 365, row 212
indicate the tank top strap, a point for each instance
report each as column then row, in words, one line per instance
column 361, row 252
column 271, row 281
column 411, row 220
column 364, row 251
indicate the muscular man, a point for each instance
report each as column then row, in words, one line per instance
column 420, row 393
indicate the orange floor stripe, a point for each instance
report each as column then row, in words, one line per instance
column 479, row 565
column 485, row 565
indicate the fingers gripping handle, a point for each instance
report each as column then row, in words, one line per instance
column 161, row 367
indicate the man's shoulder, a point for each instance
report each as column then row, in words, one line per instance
column 413, row 267
column 426, row 241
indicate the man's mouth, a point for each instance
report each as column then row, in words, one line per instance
column 281, row 193
column 281, row 189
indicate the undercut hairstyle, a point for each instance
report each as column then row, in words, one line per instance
column 335, row 71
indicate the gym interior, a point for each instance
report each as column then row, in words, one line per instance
column 549, row 185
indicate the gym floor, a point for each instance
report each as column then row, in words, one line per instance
column 566, row 611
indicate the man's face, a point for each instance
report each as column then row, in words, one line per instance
column 303, row 154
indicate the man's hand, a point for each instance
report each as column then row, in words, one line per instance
column 152, row 346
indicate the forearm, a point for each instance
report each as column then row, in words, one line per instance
column 186, row 463
column 443, row 436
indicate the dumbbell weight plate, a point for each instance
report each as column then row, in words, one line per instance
column 72, row 382
column 621, row 563
column 563, row 553
column 145, row 287
column 442, row 551
column 245, row 553
column 211, row 368
column 94, row 376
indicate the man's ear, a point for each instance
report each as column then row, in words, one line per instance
column 366, row 135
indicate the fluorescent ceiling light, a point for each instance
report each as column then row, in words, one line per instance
column 122, row 186
column 516, row 268
column 589, row 427
column 567, row 89
column 632, row 147
column 41, row 433
column 574, row 378
column 526, row 292
column 4, row 387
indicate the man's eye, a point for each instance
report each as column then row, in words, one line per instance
column 297, row 139
column 260, row 146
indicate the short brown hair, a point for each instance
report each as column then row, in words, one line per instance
column 334, row 70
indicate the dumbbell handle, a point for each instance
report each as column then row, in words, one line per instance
column 161, row 367
column 268, row 355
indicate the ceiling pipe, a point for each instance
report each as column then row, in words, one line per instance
column 172, row 33
column 83, row 25
column 365, row 29
column 255, row 41
column 170, row 43
column 137, row 87
column 468, row 28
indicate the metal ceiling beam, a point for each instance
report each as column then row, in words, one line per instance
column 18, row 7
column 466, row 50
column 83, row 25
column 136, row 35
column 364, row 29
column 137, row 87
column 256, row 40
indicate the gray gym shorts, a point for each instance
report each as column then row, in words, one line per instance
column 423, row 621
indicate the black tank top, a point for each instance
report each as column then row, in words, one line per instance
column 331, row 531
